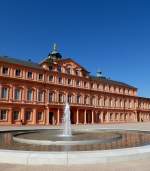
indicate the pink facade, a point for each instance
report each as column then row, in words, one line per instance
column 35, row 94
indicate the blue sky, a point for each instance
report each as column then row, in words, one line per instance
column 111, row 35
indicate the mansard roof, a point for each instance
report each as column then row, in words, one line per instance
column 109, row 81
column 143, row 98
column 20, row 62
column 38, row 66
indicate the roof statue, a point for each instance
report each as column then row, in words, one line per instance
column 99, row 73
column 54, row 51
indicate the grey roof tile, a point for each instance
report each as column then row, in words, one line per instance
column 37, row 66
column 20, row 62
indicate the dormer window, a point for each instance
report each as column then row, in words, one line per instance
column 5, row 71
column 77, row 72
column 85, row 84
column 40, row 76
column 68, row 70
column 59, row 68
column 18, row 72
column 50, row 78
column 29, row 74
column 50, row 68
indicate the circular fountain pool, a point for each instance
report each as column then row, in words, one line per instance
column 81, row 140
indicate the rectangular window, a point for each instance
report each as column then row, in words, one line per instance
column 16, row 115
column 40, row 76
column 59, row 80
column 59, row 68
column 69, row 98
column 5, row 71
column 28, row 115
column 78, row 83
column 85, row 84
column 17, row 94
column 29, row 95
column 50, row 97
column 18, row 72
column 3, row 114
column 29, row 74
column 4, row 93
column 78, row 99
column 68, row 71
column 39, row 116
column 40, row 96
column 60, row 98
column 69, row 81
column 77, row 72
column 50, row 78
column 50, row 68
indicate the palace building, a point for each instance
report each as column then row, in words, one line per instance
column 35, row 94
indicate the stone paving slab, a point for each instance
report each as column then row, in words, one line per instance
column 135, row 165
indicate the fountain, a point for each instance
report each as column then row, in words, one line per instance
column 66, row 122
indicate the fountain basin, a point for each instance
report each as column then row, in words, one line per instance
column 18, row 153
column 81, row 140
column 54, row 137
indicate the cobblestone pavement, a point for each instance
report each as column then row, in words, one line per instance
column 132, row 165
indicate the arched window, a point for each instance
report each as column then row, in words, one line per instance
column 68, row 70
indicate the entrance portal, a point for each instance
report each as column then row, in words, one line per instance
column 51, row 117
column 72, row 117
column 88, row 117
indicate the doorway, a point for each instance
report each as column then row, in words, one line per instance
column 51, row 117
column 72, row 117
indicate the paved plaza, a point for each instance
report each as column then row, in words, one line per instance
column 132, row 165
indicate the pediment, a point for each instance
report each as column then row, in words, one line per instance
column 71, row 63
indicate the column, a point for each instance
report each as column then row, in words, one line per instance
column 92, row 117
column 35, row 95
column 25, row 93
column 34, row 116
column 119, row 117
column 22, row 115
column 77, row 117
column 47, row 115
column 10, row 93
column 58, row 116
column 85, row 116
column 66, row 97
column 101, row 117
column 108, row 117
column 53, row 119
column 135, row 117
column 10, row 118
column 0, row 91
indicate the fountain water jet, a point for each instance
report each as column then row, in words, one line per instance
column 66, row 122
